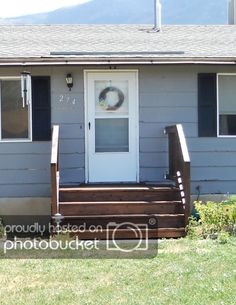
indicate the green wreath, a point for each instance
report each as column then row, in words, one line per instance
column 102, row 98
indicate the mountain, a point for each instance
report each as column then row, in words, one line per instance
column 132, row 12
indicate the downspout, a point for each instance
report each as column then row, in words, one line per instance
column 157, row 16
column 232, row 12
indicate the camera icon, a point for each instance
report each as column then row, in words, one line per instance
column 138, row 233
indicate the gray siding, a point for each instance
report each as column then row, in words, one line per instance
column 68, row 112
column 167, row 95
column 25, row 167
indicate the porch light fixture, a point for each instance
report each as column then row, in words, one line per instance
column 69, row 81
column 25, row 88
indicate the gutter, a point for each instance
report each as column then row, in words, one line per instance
column 103, row 60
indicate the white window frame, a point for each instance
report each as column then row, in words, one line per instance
column 29, row 139
column 218, row 107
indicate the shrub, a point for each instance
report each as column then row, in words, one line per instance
column 223, row 237
column 193, row 228
column 216, row 220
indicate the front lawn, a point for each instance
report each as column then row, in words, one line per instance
column 184, row 272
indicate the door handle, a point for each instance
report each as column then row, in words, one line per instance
column 89, row 125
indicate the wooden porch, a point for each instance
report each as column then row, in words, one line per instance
column 101, row 205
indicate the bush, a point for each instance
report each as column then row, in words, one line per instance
column 193, row 228
column 216, row 220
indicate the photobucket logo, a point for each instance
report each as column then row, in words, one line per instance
column 69, row 228
column 51, row 244
column 35, row 228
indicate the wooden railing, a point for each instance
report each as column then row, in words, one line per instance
column 179, row 164
column 55, row 170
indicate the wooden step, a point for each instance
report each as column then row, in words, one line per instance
column 101, row 205
column 128, row 234
column 102, row 221
column 125, row 207
column 101, row 194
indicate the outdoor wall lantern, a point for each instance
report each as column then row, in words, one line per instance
column 69, row 81
column 25, row 88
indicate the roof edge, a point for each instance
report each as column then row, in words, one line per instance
column 104, row 60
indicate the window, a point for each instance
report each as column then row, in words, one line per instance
column 15, row 119
column 226, row 105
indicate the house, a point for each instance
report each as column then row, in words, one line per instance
column 113, row 90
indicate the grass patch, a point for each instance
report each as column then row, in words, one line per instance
column 184, row 272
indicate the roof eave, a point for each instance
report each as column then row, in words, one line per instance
column 118, row 60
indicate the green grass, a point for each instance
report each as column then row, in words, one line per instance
column 184, row 272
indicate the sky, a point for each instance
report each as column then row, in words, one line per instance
column 14, row 8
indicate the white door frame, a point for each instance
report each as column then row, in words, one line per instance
column 86, row 72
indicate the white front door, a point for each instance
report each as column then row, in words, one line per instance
column 112, row 126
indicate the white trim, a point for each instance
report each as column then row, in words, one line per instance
column 217, row 110
column 217, row 106
column 85, row 61
column 16, row 141
column 225, row 136
column 85, row 124
column 110, row 70
column 30, row 114
column 226, row 73
column 0, row 111
column 86, row 72
column 30, row 122
column 137, row 126
column 10, row 78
